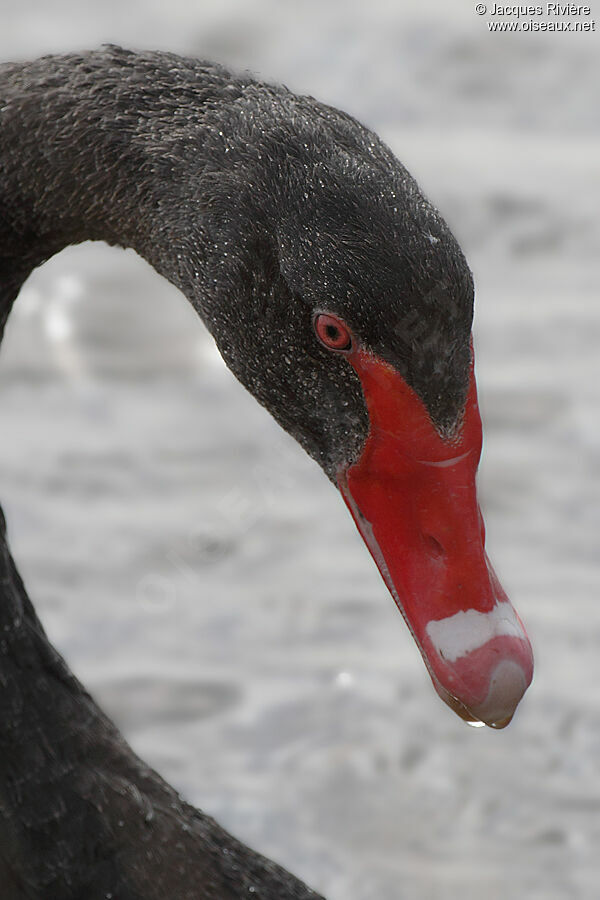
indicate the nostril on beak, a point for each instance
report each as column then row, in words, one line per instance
column 434, row 548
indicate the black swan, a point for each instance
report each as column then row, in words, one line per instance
column 340, row 299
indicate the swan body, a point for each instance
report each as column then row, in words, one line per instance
column 339, row 297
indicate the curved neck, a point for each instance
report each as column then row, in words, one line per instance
column 74, row 166
column 129, row 149
column 69, row 172
column 112, row 146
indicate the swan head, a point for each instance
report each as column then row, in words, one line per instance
column 336, row 294
column 342, row 301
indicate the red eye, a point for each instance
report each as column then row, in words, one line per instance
column 332, row 332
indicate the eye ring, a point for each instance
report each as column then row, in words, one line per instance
column 332, row 332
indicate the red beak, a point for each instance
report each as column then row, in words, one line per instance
column 413, row 497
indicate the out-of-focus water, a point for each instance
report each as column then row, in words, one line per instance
column 202, row 576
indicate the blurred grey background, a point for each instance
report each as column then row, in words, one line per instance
column 201, row 575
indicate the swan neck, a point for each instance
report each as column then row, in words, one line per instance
column 76, row 166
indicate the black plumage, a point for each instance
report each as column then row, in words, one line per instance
column 264, row 208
